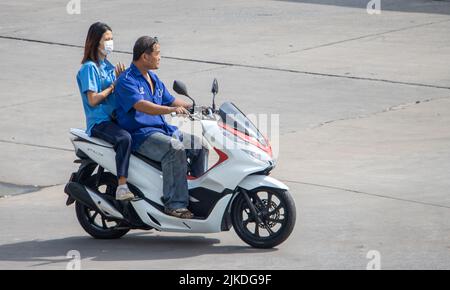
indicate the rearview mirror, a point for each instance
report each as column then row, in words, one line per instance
column 215, row 87
column 180, row 88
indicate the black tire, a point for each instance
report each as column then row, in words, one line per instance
column 91, row 220
column 270, row 214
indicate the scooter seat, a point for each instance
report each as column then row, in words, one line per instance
column 82, row 134
column 157, row 165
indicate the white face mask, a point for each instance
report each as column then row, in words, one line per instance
column 109, row 46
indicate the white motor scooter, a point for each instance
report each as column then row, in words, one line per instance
column 236, row 191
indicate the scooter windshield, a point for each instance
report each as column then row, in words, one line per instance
column 236, row 121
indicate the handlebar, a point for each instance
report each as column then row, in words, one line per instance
column 199, row 113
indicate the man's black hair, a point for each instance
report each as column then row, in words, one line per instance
column 144, row 44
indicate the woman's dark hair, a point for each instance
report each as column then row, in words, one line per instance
column 93, row 38
column 143, row 44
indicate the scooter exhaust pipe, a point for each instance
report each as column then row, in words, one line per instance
column 79, row 193
column 91, row 199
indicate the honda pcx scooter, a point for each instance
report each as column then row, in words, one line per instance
column 236, row 192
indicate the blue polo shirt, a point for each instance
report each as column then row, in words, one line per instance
column 96, row 78
column 131, row 88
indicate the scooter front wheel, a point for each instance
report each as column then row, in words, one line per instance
column 275, row 220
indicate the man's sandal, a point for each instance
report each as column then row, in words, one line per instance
column 182, row 213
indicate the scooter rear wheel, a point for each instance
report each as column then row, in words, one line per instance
column 92, row 220
column 277, row 214
column 97, row 225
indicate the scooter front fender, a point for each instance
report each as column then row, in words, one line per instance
column 252, row 182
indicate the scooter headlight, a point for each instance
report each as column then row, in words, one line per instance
column 259, row 156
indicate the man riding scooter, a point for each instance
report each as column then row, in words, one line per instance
column 142, row 100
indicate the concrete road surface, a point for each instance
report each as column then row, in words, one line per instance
column 364, row 110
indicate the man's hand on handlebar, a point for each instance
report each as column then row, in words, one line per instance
column 179, row 110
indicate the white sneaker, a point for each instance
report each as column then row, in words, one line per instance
column 123, row 193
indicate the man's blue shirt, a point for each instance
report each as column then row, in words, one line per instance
column 131, row 88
